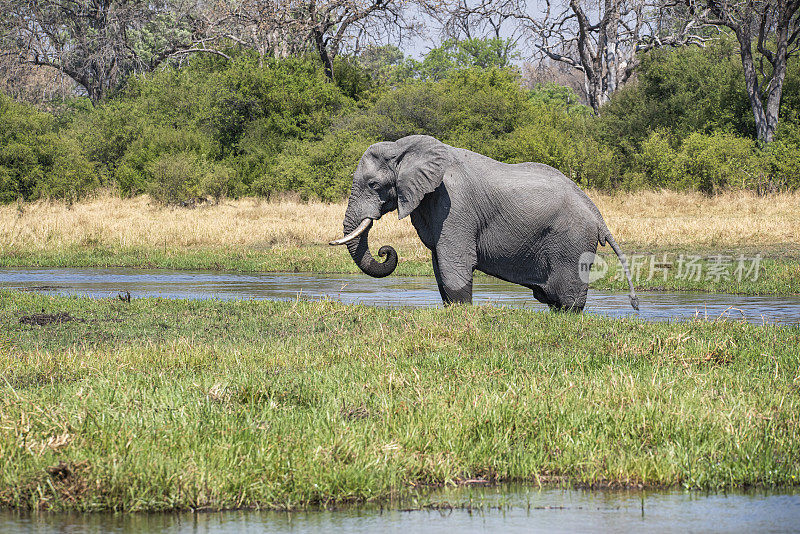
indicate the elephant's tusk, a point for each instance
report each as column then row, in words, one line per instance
column 363, row 227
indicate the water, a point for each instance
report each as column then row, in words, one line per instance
column 389, row 291
column 504, row 509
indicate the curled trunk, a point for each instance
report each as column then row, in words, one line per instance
column 359, row 251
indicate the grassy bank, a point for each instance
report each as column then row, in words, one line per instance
column 158, row 405
column 286, row 236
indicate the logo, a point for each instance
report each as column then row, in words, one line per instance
column 591, row 267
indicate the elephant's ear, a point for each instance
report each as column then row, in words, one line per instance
column 421, row 165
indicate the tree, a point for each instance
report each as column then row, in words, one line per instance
column 286, row 27
column 603, row 39
column 483, row 32
column 270, row 27
column 767, row 31
column 453, row 55
column 98, row 43
column 381, row 62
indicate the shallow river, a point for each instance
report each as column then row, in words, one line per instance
column 501, row 510
column 389, row 291
column 505, row 509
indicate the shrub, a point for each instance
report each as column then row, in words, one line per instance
column 679, row 91
column 321, row 170
column 71, row 176
column 134, row 175
column 783, row 160
column 453, row 56
column 657, row 161
column 710, row 163
column 552, row 94
column 551, row 135
column 279, row 101
column 219, row 181
column 175, row 178
column 37, row 162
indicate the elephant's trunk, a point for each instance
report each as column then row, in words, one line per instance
column 358, row 247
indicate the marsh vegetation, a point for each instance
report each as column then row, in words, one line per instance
column 161, row 405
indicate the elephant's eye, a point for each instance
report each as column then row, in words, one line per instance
column 373, row 184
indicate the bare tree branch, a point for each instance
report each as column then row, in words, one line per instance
column 289, row 27
column 774, row 25
column 98, row 43
column 604, row 39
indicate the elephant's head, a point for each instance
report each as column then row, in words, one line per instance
column 390, row 175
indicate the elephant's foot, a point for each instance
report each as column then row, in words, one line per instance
column 560, row 302
column 451, row 296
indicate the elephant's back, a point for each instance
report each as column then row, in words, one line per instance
column 535, row 193
column 547, row 179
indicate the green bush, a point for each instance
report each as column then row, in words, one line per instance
column 711, row 163
column 216, row 128
column 184, row 178
column 551, row 94
column 219, row 181
column 552, row 135
column 134, row 174
column 679, row 92
column 71, row 176
column 276, row 102
column 784, row 160
column 175, row 178
column 453, row 56
column 322, row 170
column 707, row 163
column 658, row 162
column 36, row 161
column 233, row 116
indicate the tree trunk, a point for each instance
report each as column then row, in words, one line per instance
column 751, row 83
column 327, row 62
column 778, row 76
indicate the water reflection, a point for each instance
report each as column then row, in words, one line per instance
column 505, row 509
column 389, row 291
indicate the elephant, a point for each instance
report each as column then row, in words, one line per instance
column 524, row 223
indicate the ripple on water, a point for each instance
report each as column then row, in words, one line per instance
column 389, row 291
column 502, row 509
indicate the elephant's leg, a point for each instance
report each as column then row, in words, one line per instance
column 438, row 276
column 453, row 276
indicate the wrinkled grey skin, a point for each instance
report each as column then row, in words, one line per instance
column 525, row 223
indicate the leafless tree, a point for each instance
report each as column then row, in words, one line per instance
column 329, row 27
column 270, row 27
column 468, row 19
column 99, row 42
column 461, row 20
column 602, row 38
column 32, row 84
column 767, row 31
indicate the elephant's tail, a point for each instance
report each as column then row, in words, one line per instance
column 608, row 237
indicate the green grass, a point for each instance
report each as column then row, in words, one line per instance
column 163, row 405
column 778, row 274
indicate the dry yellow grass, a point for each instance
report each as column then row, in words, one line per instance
column 251, row 223
column 659, row 219
column 670, row 219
